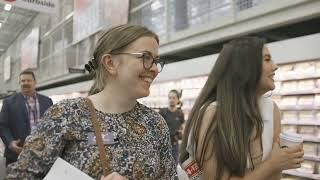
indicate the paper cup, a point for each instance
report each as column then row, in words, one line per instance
column 290, row 139
column 192, row 169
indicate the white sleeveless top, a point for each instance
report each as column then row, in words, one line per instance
column 266, row 110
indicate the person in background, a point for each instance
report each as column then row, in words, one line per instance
column 233, row 128
column 136, row 139
column 174, row 118
column 20, row 114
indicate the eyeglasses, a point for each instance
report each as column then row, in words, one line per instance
column 147, row 58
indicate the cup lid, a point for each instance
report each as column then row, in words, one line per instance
column 291, row 137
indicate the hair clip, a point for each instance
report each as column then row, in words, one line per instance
column 90, row 66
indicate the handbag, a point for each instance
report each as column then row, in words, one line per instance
column 97, row 131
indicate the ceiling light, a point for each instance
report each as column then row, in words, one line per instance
column 0, row 24
column 7, row 7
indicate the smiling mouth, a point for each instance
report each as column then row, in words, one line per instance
column 147, row 79
column 272, row 76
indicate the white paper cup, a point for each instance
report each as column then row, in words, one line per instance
column 290, row 139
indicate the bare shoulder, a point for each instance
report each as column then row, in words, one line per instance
column 276, row 112
column 275, row 107
column 210, row 111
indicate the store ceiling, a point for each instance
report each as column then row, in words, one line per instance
column 12, row 24
column 288, row 31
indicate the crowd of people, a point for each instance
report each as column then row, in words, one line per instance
column 232, row 131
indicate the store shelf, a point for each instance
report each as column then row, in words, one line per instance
column 300, row 92
column 315, row 76
column 301, row 122
column 311, row 139
column 301, row 174
column 297, row 108
column 312, row 157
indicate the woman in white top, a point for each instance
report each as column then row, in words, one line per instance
column 233, row 129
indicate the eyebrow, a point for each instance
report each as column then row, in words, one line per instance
column 158, row 56
column 267, row 56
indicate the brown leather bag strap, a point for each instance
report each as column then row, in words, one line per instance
column 96, row 126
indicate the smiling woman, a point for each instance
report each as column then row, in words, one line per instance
column 136, row 141
column 233, row 129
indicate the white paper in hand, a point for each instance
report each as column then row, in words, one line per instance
column 62, row 170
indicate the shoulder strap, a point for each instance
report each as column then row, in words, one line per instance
column 96, row 126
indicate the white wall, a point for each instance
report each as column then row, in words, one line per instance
column 297, row 49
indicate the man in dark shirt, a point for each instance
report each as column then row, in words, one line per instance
column 174, row 118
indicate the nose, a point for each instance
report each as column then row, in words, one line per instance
column 154, row 68
column 275, row 67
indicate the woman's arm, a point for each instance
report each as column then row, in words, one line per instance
column 276, row 134
column 278, row 160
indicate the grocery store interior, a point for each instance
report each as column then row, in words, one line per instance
column 56, row 39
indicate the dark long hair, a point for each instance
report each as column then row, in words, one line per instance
column 232, row 83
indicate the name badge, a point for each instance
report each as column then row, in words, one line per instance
column 108, row 138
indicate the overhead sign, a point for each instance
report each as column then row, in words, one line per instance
column 45, row 6
column 29, row 50
column 91, row 16
column 7, row 68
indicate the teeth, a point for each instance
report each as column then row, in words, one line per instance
column 149, row 80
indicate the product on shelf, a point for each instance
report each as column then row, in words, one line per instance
column 318, row 82
column 289, row 86
column 307, row 167
column 310, row 148
column 290, row 101
column 290, row 178
column 289, row 115
column 305, row 85
column 306, row 101
column 317, row 100
column 286, row 71
column 277, row 87
column 306, row 116
column 308, row 131
column 305, row 69
column 289, row 128
column 318, row 66
column 317, row 116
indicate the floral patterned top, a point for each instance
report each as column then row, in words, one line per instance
column 141, row 149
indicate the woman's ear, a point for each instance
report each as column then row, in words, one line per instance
column 109, row 64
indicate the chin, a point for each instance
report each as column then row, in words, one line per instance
column 143, row 93
column 272, row 87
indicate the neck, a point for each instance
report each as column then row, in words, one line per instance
column 260, row 93
column 172, row 108
column 28, row 94
column 112, row 101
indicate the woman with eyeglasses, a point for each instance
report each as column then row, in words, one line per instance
column 135, row 139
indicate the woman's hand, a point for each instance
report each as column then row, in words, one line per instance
column 286, row 158
column 114, row 176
